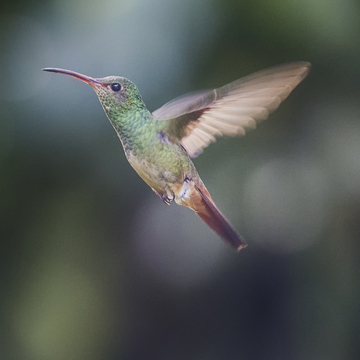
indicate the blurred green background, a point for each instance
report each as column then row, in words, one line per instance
column 94, row 266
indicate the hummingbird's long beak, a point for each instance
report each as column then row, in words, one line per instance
column 89, row 80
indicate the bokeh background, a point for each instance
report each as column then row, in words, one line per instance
column 94, row 266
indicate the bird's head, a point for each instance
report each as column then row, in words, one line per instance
column 115, row 92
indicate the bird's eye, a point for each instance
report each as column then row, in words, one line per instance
column 115, row 87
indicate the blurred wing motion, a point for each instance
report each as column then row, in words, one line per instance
column 195, row 119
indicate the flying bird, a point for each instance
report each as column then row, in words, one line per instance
column 160, row 145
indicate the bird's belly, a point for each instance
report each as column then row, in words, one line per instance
column 164, row 167
column 154, row 173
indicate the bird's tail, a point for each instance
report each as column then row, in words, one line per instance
column 201, row 202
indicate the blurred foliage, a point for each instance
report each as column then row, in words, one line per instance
column 94, row 266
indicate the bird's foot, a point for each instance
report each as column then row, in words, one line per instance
column 165, row 197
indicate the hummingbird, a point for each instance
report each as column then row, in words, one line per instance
column 160, row 145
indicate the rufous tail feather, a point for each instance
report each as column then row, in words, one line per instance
column 201, row 202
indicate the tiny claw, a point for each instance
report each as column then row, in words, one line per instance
column 165, row 198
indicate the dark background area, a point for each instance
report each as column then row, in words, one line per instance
column 94, row 266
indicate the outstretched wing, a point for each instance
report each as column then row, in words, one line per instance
column 195, row 119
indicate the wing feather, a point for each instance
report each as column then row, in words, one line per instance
column 196, row 119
